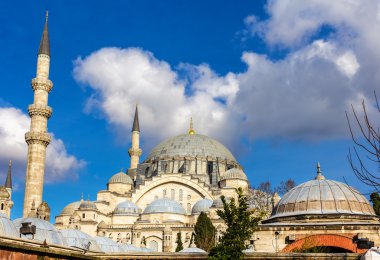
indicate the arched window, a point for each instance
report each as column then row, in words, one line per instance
column 164, row 193
column 83, row 215
column 153, row 245
column 188, row 207
column 180, row 195
column 172, row 194
column 2, row 206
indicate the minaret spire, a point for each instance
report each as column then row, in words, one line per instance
column 44, row 44
column 135, row 151
column 136, row 125
column 38, row 138
column 8, row 181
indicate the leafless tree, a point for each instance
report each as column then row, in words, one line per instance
column 366, row 150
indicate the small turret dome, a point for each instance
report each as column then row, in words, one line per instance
column 79, row 239
column 70, row 208
column 126, row 208
column 165, row 205
column 85, row 204
column 233, row 173
column 121, row 177
column 202, row 205
column 107, row 245
column 218, row 203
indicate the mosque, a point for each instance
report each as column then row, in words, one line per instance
column 144, row 208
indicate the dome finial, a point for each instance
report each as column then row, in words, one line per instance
column 81, row 199
column 47, row 15
column 319, row 173
column 191, row 129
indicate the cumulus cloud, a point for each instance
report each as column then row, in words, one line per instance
column 59, row 164
column 301, row 96
column 121, row 78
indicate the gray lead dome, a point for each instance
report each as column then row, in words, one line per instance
column 191, row 145
column 321, row 196
column 165, row 205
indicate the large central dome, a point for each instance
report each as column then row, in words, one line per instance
column 191, row 145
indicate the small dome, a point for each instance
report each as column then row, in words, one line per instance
column 7, row 228
column 4, row 194
column 322, row 196
column 193, row 250
column 218, row 203
column 85, row 204
column 165, row 205
column 130, row 248
column 79, row 239
column 202, row 205
column 44, row 231
column 121, row 177
column 107, row 245
column 126, row 208
column 191, row 145
column 233, row 173
column 70, row 208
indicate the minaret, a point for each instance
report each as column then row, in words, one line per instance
column 38, row 138
column 135, row 151
column 6, row 202
column 8, row 180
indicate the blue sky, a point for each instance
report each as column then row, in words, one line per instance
column 270, row 80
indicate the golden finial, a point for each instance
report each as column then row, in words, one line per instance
column 10, row 163
column 319, row 176
column 47, row 15
column 81, row 197
column 191, row 130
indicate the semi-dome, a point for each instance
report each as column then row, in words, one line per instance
column 165, row 205
column 7, row 228
column 191, row 145
column 85, row 204
column 44, row 231
column 79, row 239
column 233, row 173
column 202, row 205
column 218, row 203
column 121, row 177
column 322, row 196
column 126, row 208
column 70, row 208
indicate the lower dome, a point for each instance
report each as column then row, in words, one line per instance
column 165, row 205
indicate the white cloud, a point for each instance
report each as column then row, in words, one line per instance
column 301, row 96
column 59, row 164
column 121, row 78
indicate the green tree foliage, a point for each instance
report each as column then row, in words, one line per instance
column 204, row 232
column 179, row 242
column 241, row 223
column 375, row 199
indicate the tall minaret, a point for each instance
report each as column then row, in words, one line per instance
column 38, row 138
column 135, row 151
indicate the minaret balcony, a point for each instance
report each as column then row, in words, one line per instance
column 37, row 138
column 42, row 83
column 135, row 152
column 39, row 110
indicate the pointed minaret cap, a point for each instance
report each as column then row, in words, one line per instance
column 136, row 125
column 191, row 129
column 8, row 181
column 44, row 44
column 319, row 176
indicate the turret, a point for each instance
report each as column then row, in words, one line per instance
column 6, row 202
column 135, row 151
column 38, row 138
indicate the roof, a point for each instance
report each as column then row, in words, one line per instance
column 165, row 205
column 85, row 204
column 191, row 145
column 322, row 196
column 107, row 245
column 79, row 239
column 202, row 205
column 7, row 228
column 70, row 208
column 126, row 208
column 44, row 44
column 233, row 173
column 121, row 177
column 44, row 231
